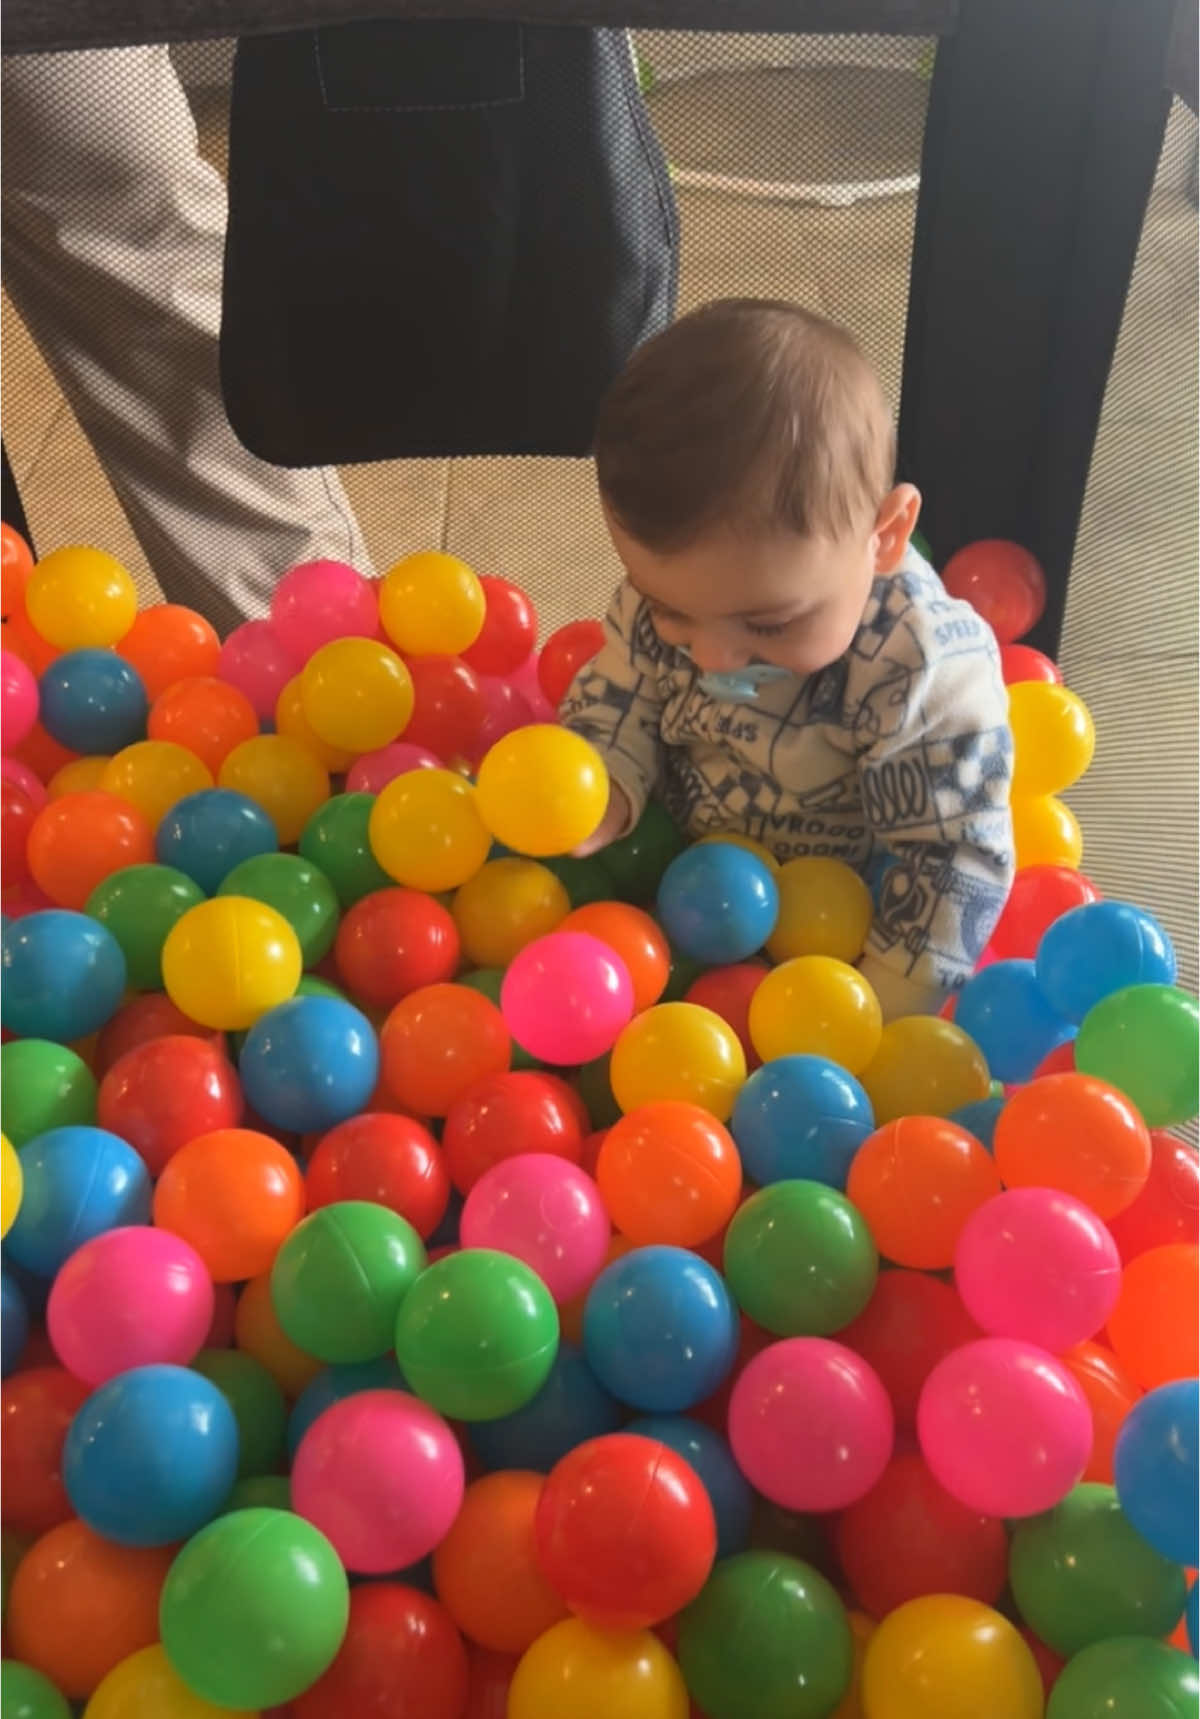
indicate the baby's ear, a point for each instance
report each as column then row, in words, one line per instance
column 894, row 525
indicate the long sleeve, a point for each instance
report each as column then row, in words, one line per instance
column 615, row 703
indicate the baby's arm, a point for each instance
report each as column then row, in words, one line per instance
column 614, row 703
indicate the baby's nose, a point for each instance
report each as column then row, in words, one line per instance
column 715, row 655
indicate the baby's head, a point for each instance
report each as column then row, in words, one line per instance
column 745, row 458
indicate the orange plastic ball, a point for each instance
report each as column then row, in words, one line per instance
column 79, row 840
column 669, row 1172
column 1111, row 1393
column 79, row 1605
column 1074, row 1132
column 486, row 1573
column 206, row 716
column 257, row 1332
column 1154, row 1328
column 637, row 939
column 168, row 643
column 20, row 637
column 16, row 564
column 42, row 753
column 916, row 1181
column 437, row 1042
column 235, row 1195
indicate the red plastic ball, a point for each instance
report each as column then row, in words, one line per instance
column 727, row 992
column 1168, row 1207
column 17, row 814
column 1021, row 663
column 1002, row 582
column 36, row 1409
column 1040, row 894
column 491, row 1676
column 1061, row 1060
column 509, row 629
column 508, row 1114
column 448, row 706
column 564, row 654
column 167, row 1092
column 392, row 942
column 625, row 1531
column 150, row 1016
column 389, row 1160
column 436, row 1043
column 401, row 1658
column 911, row 1322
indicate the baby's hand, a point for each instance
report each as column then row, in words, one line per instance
column 612, row 824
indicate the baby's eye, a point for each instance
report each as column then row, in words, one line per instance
column 767, row 629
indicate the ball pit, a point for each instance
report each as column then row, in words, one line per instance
column 720, row 1262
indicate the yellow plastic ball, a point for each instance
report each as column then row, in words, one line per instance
column 80, row 776
column 229, row 960
column 431, row 605
column 681, row 1051
column 758, row 849
column 924, row 1067
column 1045, row 832
column 824, row 909
column 291, row 720
column 506, row 905
column 79, row 597
column 948, row 1657
column 816, row 1006
column 357, row 694
column 576, row 1672
column 145, row 1686
column 1053, row 737
column 542, row 790
column 426, row 832
column 11, row 1184
column 281, row 776
column 155, row 775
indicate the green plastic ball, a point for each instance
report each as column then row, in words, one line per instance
column 254, row 1608
column 800, row 1260
column 1131, row 1677
column 297, row 889
column 258, row 1406
column 766, row 1635
column 26, row 1694
column 140, row 906
column 477, row 1335
column 335, row 841
column 636, row 863
column 260, row 1492
column 595, row 1089
column 585, row 880
column 683, row 975
column 1081, row 1573
column 339, row 1279
column 43, row 1085
column 1145, row 1041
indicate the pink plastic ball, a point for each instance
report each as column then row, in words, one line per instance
column 18, row 699
column 504, row 708
column 254, row 659
column 27, row 780
column 381, row 1475
column 542, row 1210
column 1037, row 1264
column 524, row 680
column 566, row 997
column 1004, row 1427
column 371, row 773
column 128, row 1298
column 810, row 1424
column 319, row 601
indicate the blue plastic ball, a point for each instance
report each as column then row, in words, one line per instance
column 980, row 1119
column 571, row 1407
column 63, row 976
column 660, row 1329
column 332, row 1384
column 718, row 903
column 1005, row 1011
column 309, row 1064
column 14, row 1323
column 800, row 1118
column 1100, row 948
column 206, row 834
column 93, row 701
column 1156, row 1465
column 79, row 1182
column 151, row 1456
column 709, row 1454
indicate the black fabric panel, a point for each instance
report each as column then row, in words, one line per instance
column 12, row 510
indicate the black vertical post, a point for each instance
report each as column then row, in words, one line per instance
column 1045, row 124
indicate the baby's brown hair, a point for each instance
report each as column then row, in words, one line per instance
column 749, row 414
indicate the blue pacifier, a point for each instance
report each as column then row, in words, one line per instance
column 743, row 682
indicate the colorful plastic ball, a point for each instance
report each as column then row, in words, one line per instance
column 297, row 890
column 1021, row 663
column 254, row 1609
column 153, row 776
column 1078, row 1134
column 18, row 699
column 390, row 1160
column 43, row 1085
column 258, row 1408
column 825, row 908
column 1154, row 1326
column 257, row 1332
column 486, row 1572
column 235, row 1196
column 14, row 1323
column 799, row 1259
column 476, row 1335
column 255, row 660
column 79, row 1182
column 206, row 716
column 1041, row 895
column 79, row 840
column 18, row 810
column 669, row 1172
column 335, row 840
column 142, row 1019
column 139, row 906
column 80, row 597
column 1082, row 1573
column 356, row 694
column 392, row 942
column 402, row 1654
column 542, row 790
column 371, row 773
column 708, row 1453
column 291, row 721
column 145, row 1684
column 282, row 777
column 339, row 1280
column 64, row 975
column 660, row 1329
column 634, row 865
column 26, row 1694
column 317, row 601
column 16, row 562
column 678, row 1051
column 1004, row 1427
column 810, row 1424
column 1002, row 582
column 167, row 1091
column 767, row 1635
column 1168, row 1207
column 1053, row 737
column 576, row 1672
column 37, row 1406
column 570, row 1407
column 207, row 834
column 1095, row 950
column 1145, row 1040
column 728, row 991
column 566, row 997
column 437, row 1042
column 916, row 1181
column 1111, row 1394
column 127, row 1298
column 1125, row 1679
column 333, row 1385
column 1006, row 1013
column 800, row 1117
column 979, row 1118
column 816, row 1006
column 426, row 831
column 12, row 1184
column 564, row 654
column 718, row 903
column 509, row 631
column 1046, row 833
column 545, row 1212
column 92, row 701
column 431, row 604
column 309, row 1063
column 228, row 961
column 945, row 1656
column 167, row 644
column 1036, row 1264
column 506, row 905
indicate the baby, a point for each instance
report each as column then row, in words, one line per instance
column 780, row 662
